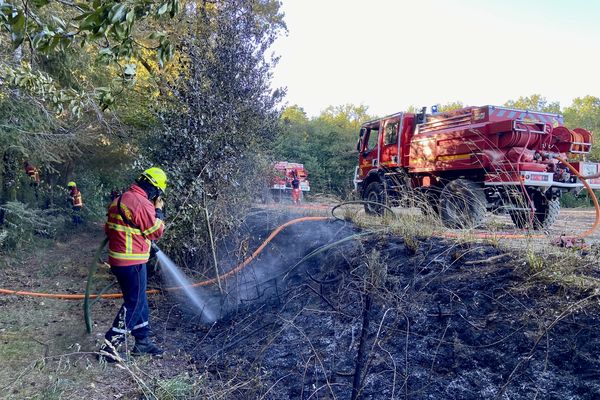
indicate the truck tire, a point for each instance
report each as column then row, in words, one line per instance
column 428, row 201
column 546, row 213
column 374, row 194
column 462, row 204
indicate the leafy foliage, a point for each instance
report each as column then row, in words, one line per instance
column 20, row 223
column 534, row 102
column 68, row 23
column 119, row 34
column 585, row 113
column 326, row 145
column 221, row 119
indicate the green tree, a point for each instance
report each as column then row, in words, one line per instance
column 326, row 145
column 534, row 102
column 584, row 113
column 69, row 62
column 219, row 122
column 453, row 105
column 294, row 115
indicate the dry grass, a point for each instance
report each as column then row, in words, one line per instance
column 547, row 264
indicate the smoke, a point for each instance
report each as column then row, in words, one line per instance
column 263, row 279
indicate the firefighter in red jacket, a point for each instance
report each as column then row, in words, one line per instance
column 295, row 188
column 76, row 202
column 135, row 219
column 34, row 178
column 33, row 173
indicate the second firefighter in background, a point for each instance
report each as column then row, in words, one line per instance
column 76, row 202
column 295, row 188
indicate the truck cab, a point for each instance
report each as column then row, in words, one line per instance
column 383, row 146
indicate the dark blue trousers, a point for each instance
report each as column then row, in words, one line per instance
column 133, row 315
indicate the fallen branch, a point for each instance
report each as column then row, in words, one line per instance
column 487, row 260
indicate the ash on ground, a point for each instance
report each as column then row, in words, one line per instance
column 383, row 318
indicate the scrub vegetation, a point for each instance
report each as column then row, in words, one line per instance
column 95, row 92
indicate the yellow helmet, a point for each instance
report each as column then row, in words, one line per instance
column 156, row 177
column 71, row 184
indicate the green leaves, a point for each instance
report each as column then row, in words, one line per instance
column 117, row 13
column 162, row 9
column 105, row 97
column 40, row 3
column 171, row 7
column 164, row 52
column 17, row 20
column 43, row 87
column 97, row 21
column 534, row 102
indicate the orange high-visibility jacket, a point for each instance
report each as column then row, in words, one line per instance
column 76, row 198
column 33, row 173
column 127, row 244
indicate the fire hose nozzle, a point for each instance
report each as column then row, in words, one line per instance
column 154, row 248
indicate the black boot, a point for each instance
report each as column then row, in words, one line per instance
column 108, row 352
column 145, row 346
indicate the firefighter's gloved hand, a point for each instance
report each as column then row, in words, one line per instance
column 153, row 249
column 159, row 206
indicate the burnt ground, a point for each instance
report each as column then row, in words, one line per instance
column 431, row 319
column 425, row 318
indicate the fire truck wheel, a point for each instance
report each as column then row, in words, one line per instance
column 374, row 194
column 546, row 213
column 462, row 204
column 428, row 201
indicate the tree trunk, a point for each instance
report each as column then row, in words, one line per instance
column 9, row 176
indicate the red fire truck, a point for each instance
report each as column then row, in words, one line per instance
column 281, row 181
column 463, row 162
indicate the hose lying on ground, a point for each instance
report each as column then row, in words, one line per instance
column 235, row 270
column 583, row 179
column 238, row 268
column 345, row 203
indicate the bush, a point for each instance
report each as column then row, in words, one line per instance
column 216, row 129
column 20, row 224
column 570, row 200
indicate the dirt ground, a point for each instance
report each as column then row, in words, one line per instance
column 385, row 316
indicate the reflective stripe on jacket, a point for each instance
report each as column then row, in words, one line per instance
column 76, row 199
column 129, row 245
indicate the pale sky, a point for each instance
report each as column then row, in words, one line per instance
column 391, row 54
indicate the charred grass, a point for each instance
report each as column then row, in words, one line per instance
column 399, row 313
column 402, row 314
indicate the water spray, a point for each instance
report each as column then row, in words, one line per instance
column 179, row 278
